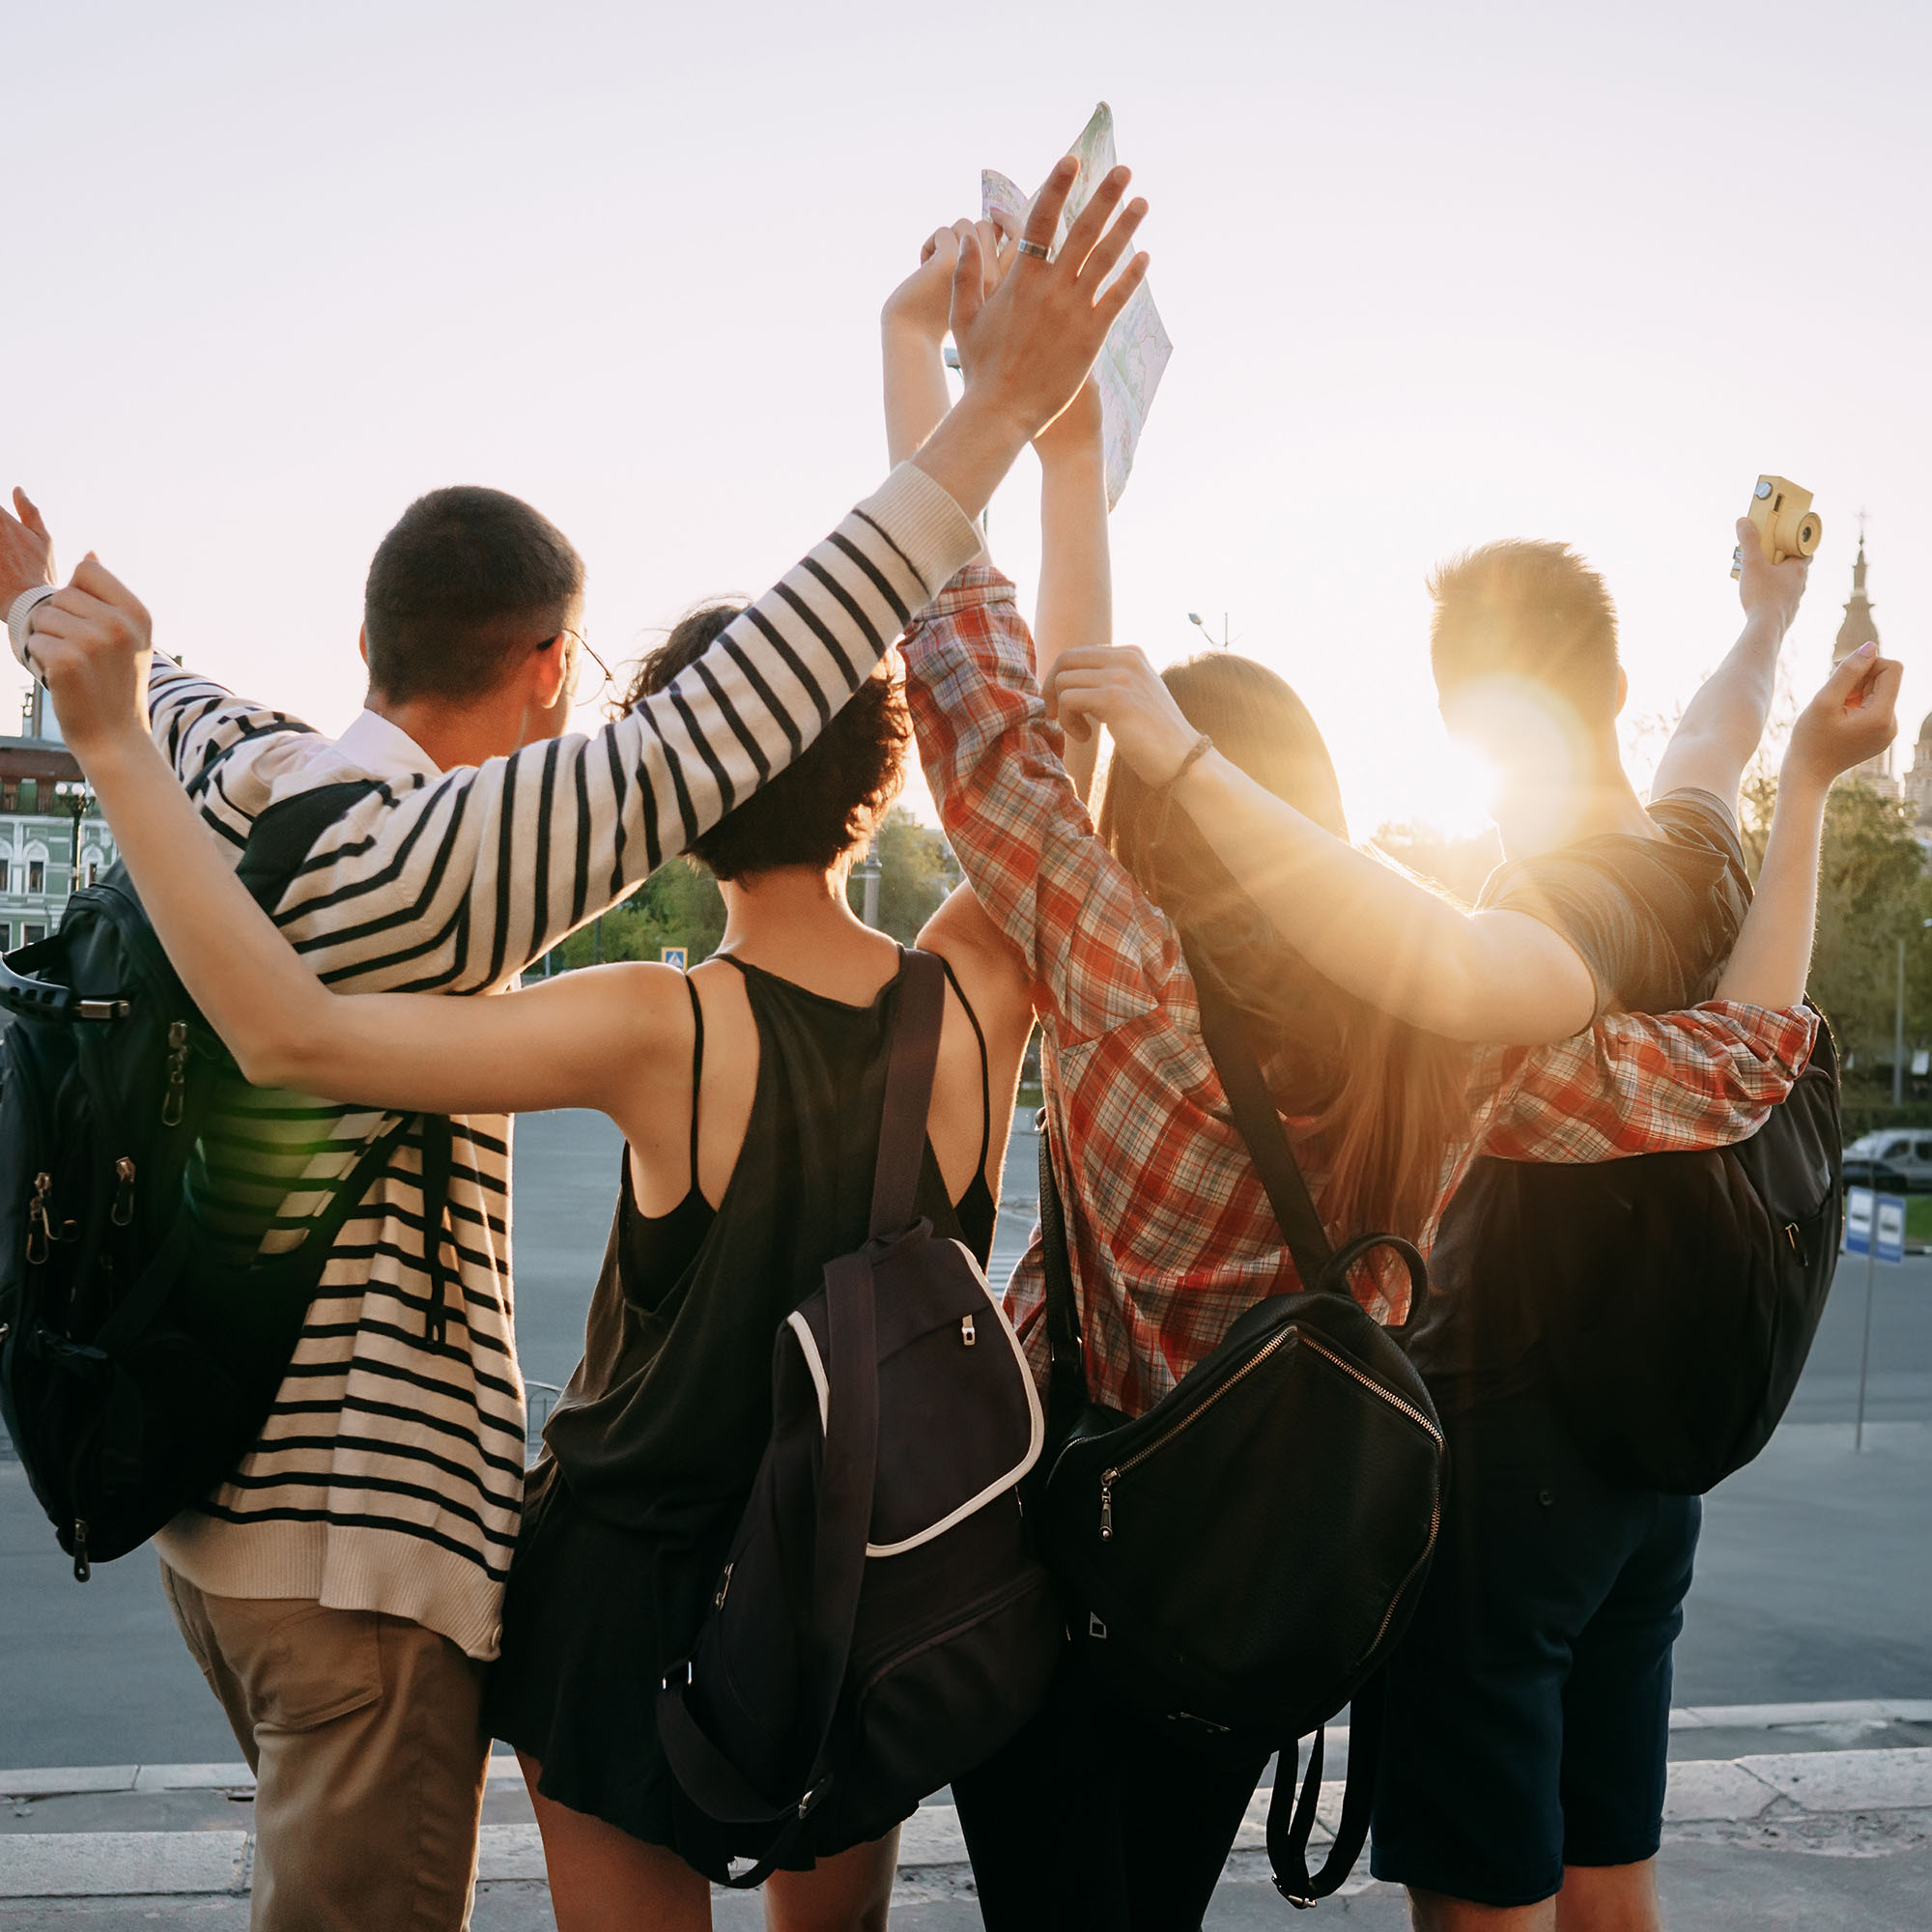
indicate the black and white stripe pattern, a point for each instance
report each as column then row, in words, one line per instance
column 389, row 1474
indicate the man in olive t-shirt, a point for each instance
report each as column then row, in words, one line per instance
column 1529, row 1707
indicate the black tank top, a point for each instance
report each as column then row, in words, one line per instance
column 668, row 1415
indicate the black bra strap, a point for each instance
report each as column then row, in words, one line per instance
column 697, row 1068
column 986, row 1067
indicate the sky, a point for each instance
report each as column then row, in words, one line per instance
column 1433, row 275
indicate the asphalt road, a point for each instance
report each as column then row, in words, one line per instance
column 1814, row 1578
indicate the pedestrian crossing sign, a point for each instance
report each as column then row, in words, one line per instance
column 673, row 955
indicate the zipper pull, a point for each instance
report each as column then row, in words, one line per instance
column 1107, row 1504
column 39, row 1230
column 82, row 1568
column 171, row 1100
column 122, row 1210
column 967, row 1332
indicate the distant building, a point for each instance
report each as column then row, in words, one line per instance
column 1861, row 628
column 53, row 841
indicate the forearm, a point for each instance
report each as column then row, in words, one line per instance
column 916, row 395
column 1500, row 977
column 1771, row 961
column 971, row 451
column 1092, row 948
column 1076, row 578
column 250, row 986
column 1644, row 1083
column 1723, row 724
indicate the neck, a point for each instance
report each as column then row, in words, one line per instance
column 782, row 911
column 456, row 734
column 1545, row 821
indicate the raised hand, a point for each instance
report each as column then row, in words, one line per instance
column 1028, row 345
column 1853, row 718
column 26, row 551
column 923, row 303
column 1765, row 589
column 91, row 645
column 1116, row 685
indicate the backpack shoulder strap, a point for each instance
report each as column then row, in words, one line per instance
column 285, row 833
column 1259, row 1125
column 1292, row 1818
column 909, row 1075
column 1066, row 1376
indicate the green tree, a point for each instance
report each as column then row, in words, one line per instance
column 1873, row 890
column 678, row 906
column 916, row 873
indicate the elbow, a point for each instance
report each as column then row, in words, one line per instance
column 270, row 1061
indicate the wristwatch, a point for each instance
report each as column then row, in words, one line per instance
column 20, row 616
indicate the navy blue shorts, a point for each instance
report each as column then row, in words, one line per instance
column 1529, row 1703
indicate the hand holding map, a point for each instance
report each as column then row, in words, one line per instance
column 1130, row 363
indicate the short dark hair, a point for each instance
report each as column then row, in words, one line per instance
column 456, row 588
column 830, row 799
column 1533, row 610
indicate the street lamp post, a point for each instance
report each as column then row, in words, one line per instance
column 868, row 875
column 1225, row 638
column 1898, row 1025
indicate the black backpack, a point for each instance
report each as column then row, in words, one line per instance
column 1246, row 1554
column 880, row 1625
column 1677, row 1295
column 137, row 1369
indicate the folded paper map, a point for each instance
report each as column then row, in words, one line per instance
column 1136, row 350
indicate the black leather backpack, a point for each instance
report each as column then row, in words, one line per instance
column 1676, row 1294
column 137, row 1368
column 1246, row 1554
column 881, row 1624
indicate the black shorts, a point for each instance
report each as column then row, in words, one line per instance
column 1529, row 1704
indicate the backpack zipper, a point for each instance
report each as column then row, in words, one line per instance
column 171, row 1100
column 39, row 1228
column 1108, row 1477
column 122, row 1210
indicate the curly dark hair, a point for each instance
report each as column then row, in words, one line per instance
column 829, row 800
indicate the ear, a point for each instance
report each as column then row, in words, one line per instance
column 363, row 644
column 548, row 671
column 1623, row 691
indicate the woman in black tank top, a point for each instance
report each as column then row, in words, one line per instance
column 746, row 1170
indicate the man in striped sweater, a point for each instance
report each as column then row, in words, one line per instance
column 341, row 1589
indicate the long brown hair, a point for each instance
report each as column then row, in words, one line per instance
column 1384, row 1099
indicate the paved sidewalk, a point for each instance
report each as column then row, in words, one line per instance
column 1813, row 1815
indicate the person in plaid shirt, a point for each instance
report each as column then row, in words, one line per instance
column 1170, row 1235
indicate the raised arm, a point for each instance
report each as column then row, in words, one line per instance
column 1497, row 977
column 1721, row 725
column 1854, row 717
column 574, row 1042
column 1075, row 611
column 1097, row 954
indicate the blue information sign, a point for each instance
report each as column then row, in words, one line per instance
column 1889, row 1242
column 1857, row 1220
column 673, row 955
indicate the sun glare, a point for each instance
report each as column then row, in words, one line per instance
column 1460, row 790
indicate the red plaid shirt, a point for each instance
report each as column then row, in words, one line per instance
column 1168, row 1232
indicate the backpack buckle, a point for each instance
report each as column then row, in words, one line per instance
column 679, row 1677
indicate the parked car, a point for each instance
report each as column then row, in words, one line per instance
column 1893, row 1161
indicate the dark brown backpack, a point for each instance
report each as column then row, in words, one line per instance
column 881, row 1625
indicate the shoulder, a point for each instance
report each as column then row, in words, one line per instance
column 1693, row 816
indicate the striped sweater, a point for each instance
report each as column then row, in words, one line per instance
column 389, row 1474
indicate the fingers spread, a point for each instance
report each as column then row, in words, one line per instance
column 1044, row 221
column 1093, row 218
column 1112, row 245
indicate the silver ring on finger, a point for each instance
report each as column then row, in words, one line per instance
column 1036, row 249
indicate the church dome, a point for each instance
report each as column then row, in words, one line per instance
column 1925, row 732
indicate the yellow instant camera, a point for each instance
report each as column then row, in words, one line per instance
column 1787, row 525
